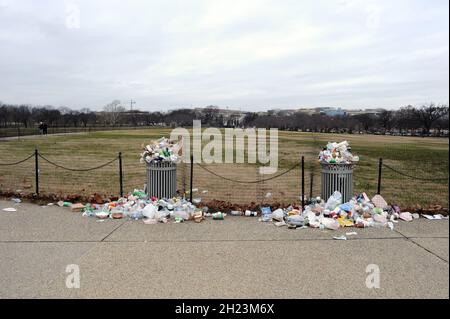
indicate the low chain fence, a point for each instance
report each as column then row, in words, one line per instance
column 41, row 176
column 18, row 132
column 417, row 186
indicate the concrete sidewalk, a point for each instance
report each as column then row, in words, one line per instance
column 236, row 258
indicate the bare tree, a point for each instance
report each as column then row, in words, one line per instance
column 427, row 115
column 113, row 111
column 64, row 110
column 85, row 116
column 386, row 120
column 180, row 117
column 210, row 115
column 3, row 114
column 367, row 121
column 22, row 115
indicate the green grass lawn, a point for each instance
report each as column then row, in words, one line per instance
column 420, row 157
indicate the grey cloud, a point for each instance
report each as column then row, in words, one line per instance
column 249, row 54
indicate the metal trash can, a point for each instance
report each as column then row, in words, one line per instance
column 162, row 179
column 337, row 177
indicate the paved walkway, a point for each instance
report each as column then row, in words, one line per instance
column 37, row 136
column 236, row 258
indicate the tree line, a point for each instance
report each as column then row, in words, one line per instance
column 422, row 120
column 428, row 119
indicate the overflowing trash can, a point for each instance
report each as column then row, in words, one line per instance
column 337, row 170
column 162, row 179
column 337, row 177
column 161, row 157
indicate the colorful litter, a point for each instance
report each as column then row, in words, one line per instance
column 337, row 153
column 332, row 214
column 138, row 206
column 359, row 212
column 162, row 150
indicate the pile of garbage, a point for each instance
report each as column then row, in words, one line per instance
column 333, row 214
column 138, row 206
column 359, row 212
column 162, row 150
column 337, row 153
column 151, row 210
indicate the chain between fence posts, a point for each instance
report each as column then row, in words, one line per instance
column 191, row 178
column 303, row 182
column 379, row 176
column 121, row 174
column 36, row 169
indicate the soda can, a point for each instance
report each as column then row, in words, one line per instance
column 218, row 216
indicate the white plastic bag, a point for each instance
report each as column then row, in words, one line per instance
column 330, row 223
column 296, row 220
column 150, row 211
column 182, row 214
column 278, row 214
column 334, row 201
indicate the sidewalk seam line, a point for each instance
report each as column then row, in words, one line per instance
column 207, row 241
column 418, row 245
column 113, row 231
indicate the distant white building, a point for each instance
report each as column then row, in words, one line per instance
column 332, row 111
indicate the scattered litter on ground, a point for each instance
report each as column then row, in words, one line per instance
column 198, row 217
column 390, row 225
column 406, row 216
column 16, row 200
column 434, row 217
column 351, row 234
column 77, row 208
column 138, row 206
column 340, row 237
column 9, row 210
column 332, row 214
column 325, row 214
column 249, row 213
column 64, row 204
column 218, row 216
column 102, row 215
column 117, row 215
column 379, row 202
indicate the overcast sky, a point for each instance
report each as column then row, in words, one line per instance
column 248, row 54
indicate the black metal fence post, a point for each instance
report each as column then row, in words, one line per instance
column 380, row 165
column 303, row 182
column 192, row 178
column 121, row 174
column 36, row 169
column 311, row 184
